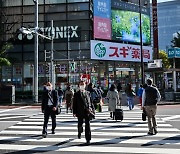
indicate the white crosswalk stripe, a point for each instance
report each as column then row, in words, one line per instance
column 108, row 136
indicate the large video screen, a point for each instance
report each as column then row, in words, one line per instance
column 126, row 26
column 119, row 21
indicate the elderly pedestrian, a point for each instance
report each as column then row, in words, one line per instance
column 150, row 97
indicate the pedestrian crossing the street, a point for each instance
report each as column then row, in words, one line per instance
column 108, row 136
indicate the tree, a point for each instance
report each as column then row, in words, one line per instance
column 163, row 55
column 4, row 45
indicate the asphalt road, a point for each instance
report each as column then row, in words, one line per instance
column 21, row 126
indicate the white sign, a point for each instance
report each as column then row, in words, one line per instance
column 102, row 50
column 157, row 63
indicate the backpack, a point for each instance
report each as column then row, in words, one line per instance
column 95, row 96
column 60, row 92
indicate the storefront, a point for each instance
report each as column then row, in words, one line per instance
column 74, row 30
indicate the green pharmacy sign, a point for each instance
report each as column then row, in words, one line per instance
column 174, row 53
column 100, row 50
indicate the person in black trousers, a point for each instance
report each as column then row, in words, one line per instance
column 49, row 106
column 82, row 107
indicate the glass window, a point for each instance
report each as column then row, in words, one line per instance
column 28, row 56
column 78, row 15
column 55, row 1
column 28, row 9
column 57, row 16
column 16, row 56
column 71, row 1
column 30, row 2
column 55, row 8
column 13, row 10
column 85, row 54
column 12, row 3
column 78, row 6
column 60, row 55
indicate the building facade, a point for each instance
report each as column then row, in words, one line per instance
column 73, row 26
column 168, row 22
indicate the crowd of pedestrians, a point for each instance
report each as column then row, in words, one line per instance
column 88, row 98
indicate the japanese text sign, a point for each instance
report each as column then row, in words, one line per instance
column 102, row 50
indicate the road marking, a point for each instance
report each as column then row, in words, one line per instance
column 120, row 134
column 98, row 128
column 110, row 124
column 152, row 141
column 170, row 118
column 90, row 148
column 14, row 109
column 13, row 117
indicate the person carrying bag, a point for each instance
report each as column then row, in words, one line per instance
column 83, row 109
column 49, row 107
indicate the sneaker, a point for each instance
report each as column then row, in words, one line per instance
column 79, row 135
column 53, row 132
column 150, row 133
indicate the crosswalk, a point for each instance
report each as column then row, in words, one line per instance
column 108, row 136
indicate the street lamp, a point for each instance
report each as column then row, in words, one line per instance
column 36, row 44
column 36, row 50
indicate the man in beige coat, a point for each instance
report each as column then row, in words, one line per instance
column 150, row 97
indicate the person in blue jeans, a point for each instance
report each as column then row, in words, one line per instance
column 130, row 96
column 60, row 95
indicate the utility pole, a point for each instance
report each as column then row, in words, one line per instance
column 141, row 45
column 52, row 71
column 36, row 44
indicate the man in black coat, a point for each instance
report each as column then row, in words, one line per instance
column 83, row 109
column 49, row 107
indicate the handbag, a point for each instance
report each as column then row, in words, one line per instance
column 89, row 110
column 144, row 115
column 58, row 110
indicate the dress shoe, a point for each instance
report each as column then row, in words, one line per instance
column 150, row 133
column 155, row 131
column 79, row 135
column 44, row 135
column 87, row 142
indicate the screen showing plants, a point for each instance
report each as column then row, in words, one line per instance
column 126, row 26
column 120, row 21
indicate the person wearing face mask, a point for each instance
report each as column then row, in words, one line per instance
column 49, row 107
column 69, row 97
column 82, row 107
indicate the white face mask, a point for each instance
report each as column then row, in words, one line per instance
column 48, row 88
column 82, row 88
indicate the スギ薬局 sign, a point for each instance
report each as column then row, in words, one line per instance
column 101, row 50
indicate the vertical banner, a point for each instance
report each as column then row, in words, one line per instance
column 102, row 19
column 155, row 28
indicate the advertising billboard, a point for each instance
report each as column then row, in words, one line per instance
column 122, row 22
column 126, row 26
column 102, row 50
